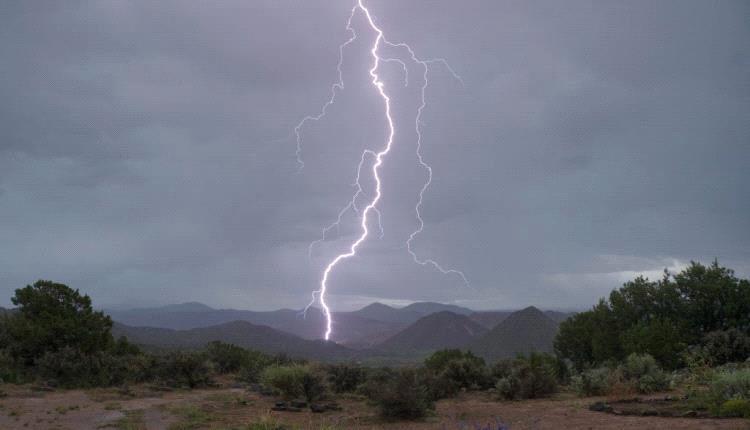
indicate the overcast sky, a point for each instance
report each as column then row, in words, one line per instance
column 147, row 157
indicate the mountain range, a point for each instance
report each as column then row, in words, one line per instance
column 375, row 330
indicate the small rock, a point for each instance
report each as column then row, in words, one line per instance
column 317, row 408
column 600, row 407
column 280, row 404
column 333, row 406
column 298, row 403
column 690, row 414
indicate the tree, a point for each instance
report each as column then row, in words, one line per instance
column 661, row 318
column 51, row 317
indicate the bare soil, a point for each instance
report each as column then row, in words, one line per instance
column 234, row 408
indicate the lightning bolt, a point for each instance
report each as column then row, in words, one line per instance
column 377, row 157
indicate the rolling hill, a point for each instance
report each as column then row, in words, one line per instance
column 435, row 331
column 240, row 333
column 520, row 333
column 348, row 326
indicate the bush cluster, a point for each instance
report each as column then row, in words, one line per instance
column 644, row 374
column 400, row 394
column 592, row 382
column 527, row 377
column 296, row 381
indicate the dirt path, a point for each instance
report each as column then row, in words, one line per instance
column 227, row 408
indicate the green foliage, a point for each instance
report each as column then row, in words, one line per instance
column 730, row 384
column 725, row 346
column 643, row 372
column 295, row 381
column 345, row 377
column 661, row 318
column 592, row 382
column 529, row 378
column 451, row 370
column 403, row 395
column 185, row 369
column 375, row 379
column 51, row 317
column 660, row 338
column 735, row 408
column 226, row 357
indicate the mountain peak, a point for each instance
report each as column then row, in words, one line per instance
column 438, row 330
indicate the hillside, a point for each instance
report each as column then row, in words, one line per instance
column 241, row 333
column 380, row 312
column 489, row 319
column 435, row 331
column 348, row 327
column 521, row 332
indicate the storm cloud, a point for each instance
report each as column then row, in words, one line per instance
column 147, row 154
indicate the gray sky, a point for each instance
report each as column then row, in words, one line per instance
column 146, row 155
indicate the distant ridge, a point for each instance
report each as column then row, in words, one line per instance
column 240, row 333
column 435, row 331
column 426, row 308
column 520, row 333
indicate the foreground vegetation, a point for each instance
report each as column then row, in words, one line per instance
column 689, row 333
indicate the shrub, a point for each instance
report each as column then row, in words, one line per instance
column 592, row 382
column 530, row 377
column 735, row 408
column 375, row 379
column 345, row 377
column 644, row 373
column 295, row 381
column 226, row 357
column 191, row 369
column 730, row 384
column 402, row 396
column 451, row 370
column 254, row 364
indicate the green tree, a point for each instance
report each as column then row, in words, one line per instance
column 51, row 317
column 662, row 318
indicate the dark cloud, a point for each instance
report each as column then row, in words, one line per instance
column 146, row 155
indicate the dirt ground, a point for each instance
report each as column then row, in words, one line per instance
column 233, row 408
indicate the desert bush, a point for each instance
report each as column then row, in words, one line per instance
column 185, row 368
column 735, row 408
column 345, row 377
column 448, row 371
column 592, row 382
column 402, row 396
column 295, row 380
column 529, row 377
column 375, row 379
column 644, row 373
column 226, row 357
column 254, row 364
column 730, row 384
